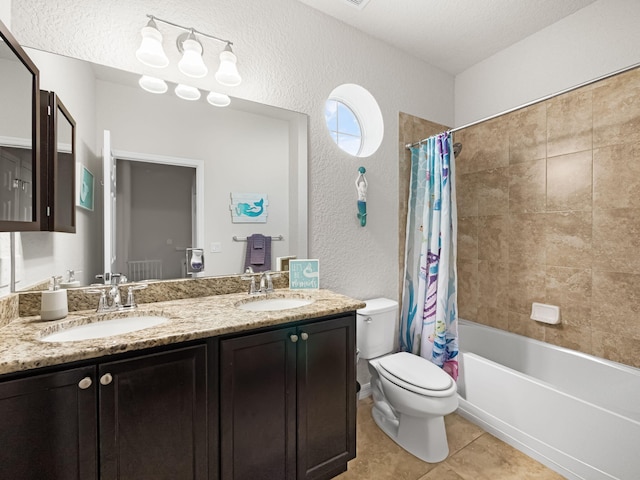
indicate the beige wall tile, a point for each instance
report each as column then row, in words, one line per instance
column 467, row 194
column 526, row 285
column 527, row 187
column 493, row 317
column 616, row 110
column 569, row 125
column 493, row 191
column 493, row 285
column 612, row 346
column 523, row 325
column 468, row 238
column 467, row 289
column 570, row 289
column 484, row 146
column 528, row 134
column 569, row 336
column 616, row 176
column 616, row 303
column 616, row 240
column 568, row 239
column 569, row 182
column 493, row 238
column 527, row 238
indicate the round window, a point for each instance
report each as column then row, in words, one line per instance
column 354, row 120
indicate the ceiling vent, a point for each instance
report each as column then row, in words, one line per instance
column 359, row 4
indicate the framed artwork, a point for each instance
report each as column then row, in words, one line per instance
column 87, row 185
column 249, row 207
column 304, row 274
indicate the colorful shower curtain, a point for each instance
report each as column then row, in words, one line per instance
column 429, row 323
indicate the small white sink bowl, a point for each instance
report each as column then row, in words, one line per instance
column 273, row 304
column 105, row 328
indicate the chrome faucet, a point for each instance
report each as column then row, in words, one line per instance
column 110, row 297
column 249, row 275
column 266, row 281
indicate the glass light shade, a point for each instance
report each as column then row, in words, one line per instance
column 151, row 52
column 153, row 84
column 187, row 92
column 191, row 63
column 227, row 73
column 218, row 99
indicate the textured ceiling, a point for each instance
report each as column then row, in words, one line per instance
column 452, row 35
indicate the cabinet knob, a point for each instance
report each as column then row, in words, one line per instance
column 304, row 335
column 106, row 379
column 294, row 338
column 85, row 383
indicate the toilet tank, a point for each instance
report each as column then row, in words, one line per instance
column 376, row 327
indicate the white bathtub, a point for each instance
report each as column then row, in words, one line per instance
column 575, row 413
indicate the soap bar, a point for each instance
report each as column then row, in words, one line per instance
column 54, row 305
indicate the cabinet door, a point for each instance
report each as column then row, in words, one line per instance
column 153, row 417
column 326, row 397
column 48, row 426
column 257, row 406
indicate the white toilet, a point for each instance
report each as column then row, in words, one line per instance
column 411, row 395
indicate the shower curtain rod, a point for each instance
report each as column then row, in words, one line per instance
column 528, row 104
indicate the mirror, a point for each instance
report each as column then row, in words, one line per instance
column 243, row 148
column 19, row 130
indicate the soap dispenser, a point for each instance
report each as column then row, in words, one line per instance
column 71, row 281
column 54, row 301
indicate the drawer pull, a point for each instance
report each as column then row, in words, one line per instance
column 294, row 338
column 304, row 335
column 106, row 379
column 85, row 383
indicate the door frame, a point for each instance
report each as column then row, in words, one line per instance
column 167, row 160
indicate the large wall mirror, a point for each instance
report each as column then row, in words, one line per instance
column 19, row 129
column 177, row 165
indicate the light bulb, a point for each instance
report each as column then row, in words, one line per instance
column 227, row 73
column 153, row 84
column 191, row 63
column 187, row 92
column 218, row 99
column 151, row 52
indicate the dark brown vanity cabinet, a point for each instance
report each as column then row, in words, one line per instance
column 48, row 426
column 288, row 401
column 153, row 417
column 133, row 419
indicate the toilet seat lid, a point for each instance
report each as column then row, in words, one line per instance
column 416, row 371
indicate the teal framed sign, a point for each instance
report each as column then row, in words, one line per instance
column 304, row 274
column 87, row 185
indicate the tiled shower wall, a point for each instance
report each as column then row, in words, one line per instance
column 549, row 211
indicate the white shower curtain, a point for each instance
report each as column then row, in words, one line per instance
column 429, row 323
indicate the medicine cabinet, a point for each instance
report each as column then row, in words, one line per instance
column 20, row 174
column 58, row 165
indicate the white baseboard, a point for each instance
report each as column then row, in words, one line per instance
column 365, row 391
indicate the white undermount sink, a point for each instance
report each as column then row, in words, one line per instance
column 105, row 328
column 274, row 304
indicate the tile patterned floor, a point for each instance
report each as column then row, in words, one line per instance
column 473, row 455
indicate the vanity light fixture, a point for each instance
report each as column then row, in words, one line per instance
column 151, row 52
column 227, row 73
column 192, row 64
column 218, row 99
column 187, row 92
column 153, row 84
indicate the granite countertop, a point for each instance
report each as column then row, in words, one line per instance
column 189, row 319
